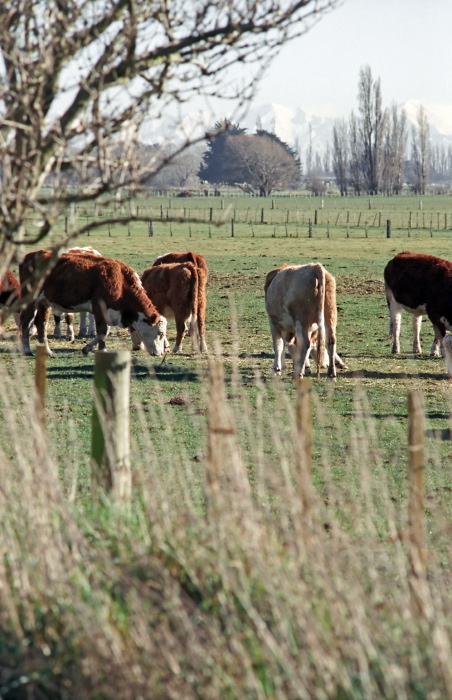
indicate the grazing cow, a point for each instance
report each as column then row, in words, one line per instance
column 175, row 289
column 109, row 289
column 301, row 300
column 200, row 262
column 9, row 291
column 420, row 284
column 84, row 329
column 447, row 345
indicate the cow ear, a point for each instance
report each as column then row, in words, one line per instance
column 154, row 318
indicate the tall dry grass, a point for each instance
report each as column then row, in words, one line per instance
column 217, row 582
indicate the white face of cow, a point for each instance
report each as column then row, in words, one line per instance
column 153, row 337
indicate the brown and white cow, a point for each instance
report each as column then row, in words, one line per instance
column 175, row 289
column 109, row 289
column 203, row 276
column 301, row 300
column 419, row 284
column 85, row 329
column 10, row 291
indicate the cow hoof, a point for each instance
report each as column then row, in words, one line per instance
column 85, row 351
column 308, row 371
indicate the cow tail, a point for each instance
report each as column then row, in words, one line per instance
column 321, row 318
column 194, row 331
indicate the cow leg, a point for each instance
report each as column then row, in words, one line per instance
column 137, row 343
column 447, row 344
column 417, row 324
column 57, row 329
column 331, row 348
column 91, row 326
column 82, row 331
column 102, row 330
column 440, row 332
column 42, row 319
column 26, row 323
column 70, row 335
column 395, row 320
column 278, row 347
column 180, row 333
column 302, row 347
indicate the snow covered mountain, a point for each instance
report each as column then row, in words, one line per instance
column 295, row 126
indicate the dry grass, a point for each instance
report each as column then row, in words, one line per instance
column 215, row 584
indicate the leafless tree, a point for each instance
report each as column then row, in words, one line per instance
column 372, row 129
column 394, row 151
column 340, row 156
column 355, row 159
column 262, row 163
column 420, row 152
column 78, row 79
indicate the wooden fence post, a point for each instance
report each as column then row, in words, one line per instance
column 304, row 455
column 388, row 228
column 40, row 383
column 110, row 450
column 310, row 229
column 416, row 520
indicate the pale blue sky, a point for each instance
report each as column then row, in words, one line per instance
column 407, row 43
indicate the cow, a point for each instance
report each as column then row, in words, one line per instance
column 175, row 289
column 447, row 345
column 10, row 291
column 109, row 289
column 301, row 300
column 200, row 262
column 85, row 330
column 420, row 284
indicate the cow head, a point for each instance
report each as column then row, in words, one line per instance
column 153, row 335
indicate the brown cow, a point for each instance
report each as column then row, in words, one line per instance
column 109, row 289
column 203, row 275
column 175, row 290
column 419, row 284
column 301, row 300
column 85, row 330
column 9, row 291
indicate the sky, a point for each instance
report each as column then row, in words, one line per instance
column 406, row 43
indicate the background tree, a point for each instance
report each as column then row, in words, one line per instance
column 355, row 157
column 217, row 167
column 394, row 151
column 257, row 163
column 372, row 128
column 340, row 156
column 420, row 152
column 78, row 77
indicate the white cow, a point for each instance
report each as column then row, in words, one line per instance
column 301, row 301
column 447, row 347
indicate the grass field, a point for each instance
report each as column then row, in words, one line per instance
column 360, row 475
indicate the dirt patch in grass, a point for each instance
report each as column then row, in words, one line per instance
column 359, row 287
column 348, row 285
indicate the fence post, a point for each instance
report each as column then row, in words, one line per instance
column 304, row 455
column 416, row 523
column 40, row 383
column 388, row 228
column 310, row 229
column 110, row 452
column 150, row 228
column 232, row 228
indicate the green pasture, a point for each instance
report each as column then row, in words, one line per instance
column 172, row 391
column 235, row 591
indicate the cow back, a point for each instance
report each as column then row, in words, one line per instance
column 176, row 257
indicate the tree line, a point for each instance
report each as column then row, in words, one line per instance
column 375, row 151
